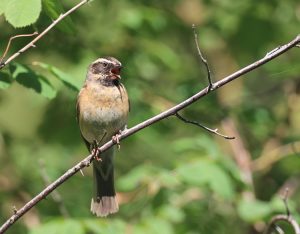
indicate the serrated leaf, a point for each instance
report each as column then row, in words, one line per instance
column 5, row 80
column 28, row 78
column 53, row 8
column 21, row 13
column 65, row 78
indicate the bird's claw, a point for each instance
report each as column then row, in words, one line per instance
column 95, row 151
column 116, row 139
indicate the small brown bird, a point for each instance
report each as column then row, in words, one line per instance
column 102, row 111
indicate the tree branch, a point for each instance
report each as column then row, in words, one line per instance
column 32, row 43
column 286, row 218
column 214, row 131
column 170, row 112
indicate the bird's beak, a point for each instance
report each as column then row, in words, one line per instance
column 116, row 72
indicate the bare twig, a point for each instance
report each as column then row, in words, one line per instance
column 285, row 201
column 214, row 131
column 32, row 43
column 285, row 218
column 10, row 40
column 203, row 60
column 298, row 45
column 210, row 87
column 172, row 111
column 55, row 195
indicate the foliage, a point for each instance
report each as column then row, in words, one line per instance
column 171, row 177
column 21, row 13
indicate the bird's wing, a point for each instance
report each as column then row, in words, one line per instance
column 88, row 145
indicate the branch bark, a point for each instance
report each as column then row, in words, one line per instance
column 286, row 218
column 170, row 112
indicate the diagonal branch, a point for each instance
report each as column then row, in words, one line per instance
column 172, row 111
column 32, row 43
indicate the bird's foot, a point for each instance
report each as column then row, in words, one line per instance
column 116, row 139
column 95, row 150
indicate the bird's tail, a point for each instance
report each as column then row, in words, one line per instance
column 104, row 201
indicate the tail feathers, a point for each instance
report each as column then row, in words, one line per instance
column 104, row 201
column 105, row 206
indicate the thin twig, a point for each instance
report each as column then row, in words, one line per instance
column 203, row 60
column 55, row 195
column 172, row 111
column 214, row 131
column 298, row 46
column 32, row 43
column 285, row 218
column 285, row 201
column 10, row 40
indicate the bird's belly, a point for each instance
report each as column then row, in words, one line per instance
column 101, row 123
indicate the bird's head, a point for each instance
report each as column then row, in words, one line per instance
column 107, row 70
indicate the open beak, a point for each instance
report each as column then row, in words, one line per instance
column 116, row 72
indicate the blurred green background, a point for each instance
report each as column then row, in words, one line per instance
column 171, row 177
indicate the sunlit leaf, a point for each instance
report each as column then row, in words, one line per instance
column 3, row 6
column 28, row 78
column 22, row 13
column 65, row 78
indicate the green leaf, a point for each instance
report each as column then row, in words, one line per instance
column 204, row 172
column 58, row 226
column 252, row 211
column 3, row 6
column 66, row 79
column 5, row 80
column 28, row 78
column 53, row 8
column 21, row 13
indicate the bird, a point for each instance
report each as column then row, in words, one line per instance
column 102, row 113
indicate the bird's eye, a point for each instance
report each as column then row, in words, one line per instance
column 105, row 64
